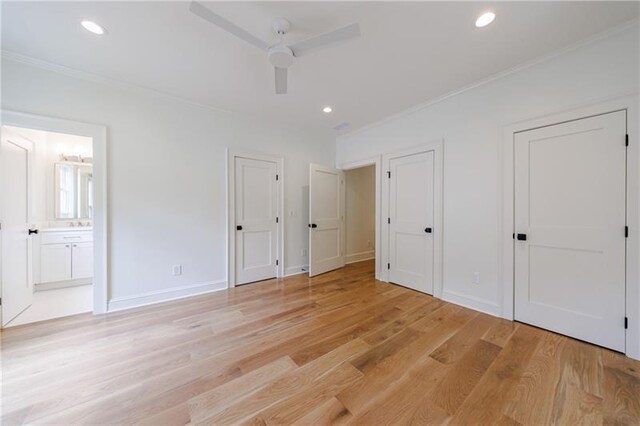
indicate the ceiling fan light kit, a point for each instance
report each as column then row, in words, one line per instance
column 280, row 55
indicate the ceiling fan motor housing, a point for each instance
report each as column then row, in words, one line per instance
column 280, row 56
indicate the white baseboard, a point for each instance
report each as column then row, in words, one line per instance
column 359, row 257
column 296, row 270
column 150, row 298
column 471, row 302
column 61, row 284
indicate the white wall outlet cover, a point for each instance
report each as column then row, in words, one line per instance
column 476, row 277
column 177, row 270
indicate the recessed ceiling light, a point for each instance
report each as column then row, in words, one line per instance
column 327, row 109
column 485, row 19
column 93, row 27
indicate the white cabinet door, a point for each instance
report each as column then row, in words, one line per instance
column 256, row 207
column 15, row 181
column 55, row 262
column 411, row 221
column 326, row 224
column 570, row 219
column 81, row 260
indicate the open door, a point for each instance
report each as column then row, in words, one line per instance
column 326, row 219
column 15, row 184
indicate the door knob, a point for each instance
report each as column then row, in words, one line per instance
column 33, row 231
column 427, row 230
column 521, row 237
column 239, row 228
column 313, row 225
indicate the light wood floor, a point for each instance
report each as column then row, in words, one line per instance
column 339, row 348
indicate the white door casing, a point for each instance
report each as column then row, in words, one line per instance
column 98, row 134
column 16, row 155
column 570, row 203
column 326, row 219
column 411, row 221
column 256, row 220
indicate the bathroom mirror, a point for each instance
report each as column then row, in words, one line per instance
column 73, row 190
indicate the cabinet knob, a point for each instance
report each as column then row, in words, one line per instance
column 66, row 245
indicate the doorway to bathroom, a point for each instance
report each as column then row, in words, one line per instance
column 53, row 218
column 47, row 218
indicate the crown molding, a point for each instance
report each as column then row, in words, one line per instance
column 500, row 75
column 97, row 78
column 144, row 90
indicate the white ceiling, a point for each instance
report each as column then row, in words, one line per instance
column 408, row 53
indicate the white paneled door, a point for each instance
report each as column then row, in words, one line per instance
column 570, row 203
column 411, row 221
column 256, row 221
column 326, row 219
column 15, row 182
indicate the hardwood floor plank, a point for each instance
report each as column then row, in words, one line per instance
column 621, row 404
column 330, row 412
column 485, row 403
column 533, row 400
column 206, row 403
column 245, row 409
column 400, row 403
column 367, row 392
column 454, row 348
column 462, row 377
column 303, row 402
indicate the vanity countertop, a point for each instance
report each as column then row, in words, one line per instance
column 67, row 229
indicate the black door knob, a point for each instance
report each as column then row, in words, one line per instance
column 521, row 237
column 33, row 231
column 313, row 225
column 427, row 230
column 239, row 227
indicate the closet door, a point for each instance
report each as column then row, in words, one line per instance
column 570, row 204
column 256, row 221
column 411, row 221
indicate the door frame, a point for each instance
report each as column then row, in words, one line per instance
column 98, row 133
column 376, row 162
column 232, row 154
column 506, row 188
column 437, row 147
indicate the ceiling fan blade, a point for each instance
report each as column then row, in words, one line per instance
column 323, row 40
column 281, row 81
column 212, row 17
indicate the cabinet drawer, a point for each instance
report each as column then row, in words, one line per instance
column 66, row 237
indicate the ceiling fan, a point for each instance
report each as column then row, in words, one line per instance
column 280, row 55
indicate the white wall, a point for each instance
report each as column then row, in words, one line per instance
column 360, row 213
column 167, row 176
column 471, row 124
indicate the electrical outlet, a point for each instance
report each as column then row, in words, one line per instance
column 177, row 270
column 476, row 278
column 303, row 252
